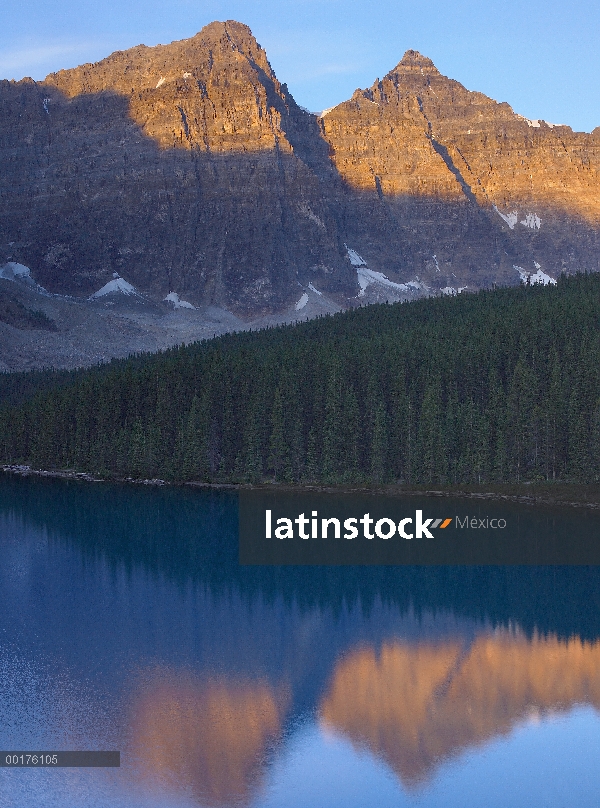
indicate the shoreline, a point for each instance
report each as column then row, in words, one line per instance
column 527, row 493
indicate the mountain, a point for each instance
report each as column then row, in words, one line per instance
column 458, row 186
column 189, row 170
column 173, row 166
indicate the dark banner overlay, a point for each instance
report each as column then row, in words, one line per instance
column 316, row 528
column 59, row 760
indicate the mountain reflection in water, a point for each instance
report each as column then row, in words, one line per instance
column 227, row 686
column 415, row 705
column 208, row 735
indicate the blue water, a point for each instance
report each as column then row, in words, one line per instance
column 127, row 624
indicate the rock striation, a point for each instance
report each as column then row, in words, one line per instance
column 467, row 190
column 189, row 169
column 178, row 168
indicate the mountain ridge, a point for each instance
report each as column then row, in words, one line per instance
column 189, row 168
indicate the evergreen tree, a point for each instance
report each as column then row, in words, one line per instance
column 501, row 385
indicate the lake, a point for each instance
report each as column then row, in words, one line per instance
column 127, row 624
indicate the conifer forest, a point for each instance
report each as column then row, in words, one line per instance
column 497, row 386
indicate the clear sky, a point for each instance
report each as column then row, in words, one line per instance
column 542, row 56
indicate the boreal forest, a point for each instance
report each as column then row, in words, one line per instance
column 498, row 386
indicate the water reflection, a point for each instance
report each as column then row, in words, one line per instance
column 412, row 705
column 416, row 705
column 127, row 623
column 206, row 736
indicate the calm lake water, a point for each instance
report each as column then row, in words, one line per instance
column 127, row 624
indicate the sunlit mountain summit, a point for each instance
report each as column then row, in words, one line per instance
column 189, row 169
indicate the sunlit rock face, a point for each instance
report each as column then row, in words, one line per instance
column 190, row 167
column 179, row 167
column 380, row 138
column 423, row 134
column 415, row 705
column 463, row 179
column 215, row 92
column 205, row 737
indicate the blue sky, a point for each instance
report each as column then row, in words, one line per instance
column 541, row 57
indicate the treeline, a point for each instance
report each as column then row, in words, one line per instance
column 501, row 385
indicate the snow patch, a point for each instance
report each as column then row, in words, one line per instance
column 316, row 291
column 325, row 112
column 535, row 277
column 19, row 272
column 537, row 122
column 161, row 81
column 355, row 258
column 12, row 271
column 450, row 290
column 510, row 218
column 368, row 276
column 302, row 302
column 532, row 221
column 117, row 285
column 437, row 266
column 177, row 302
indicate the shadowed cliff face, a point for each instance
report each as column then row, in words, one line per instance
column 189, row 167
column 416, row 705
column 192, row 185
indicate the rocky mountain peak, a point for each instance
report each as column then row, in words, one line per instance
column 215, row 92
column 414, row 62
column 217, row 45
column 189, row 170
